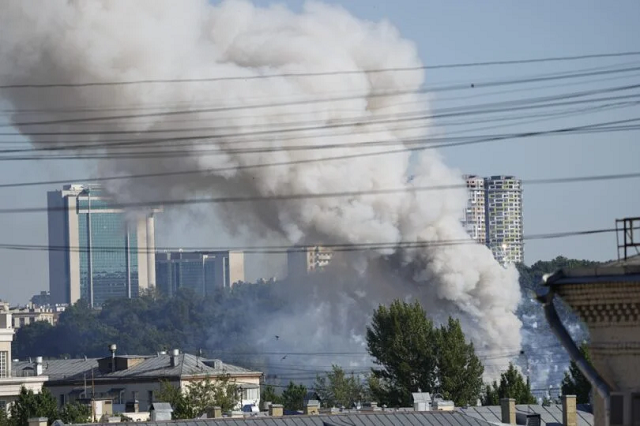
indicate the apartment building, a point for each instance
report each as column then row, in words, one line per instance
column 302, row 261
column 493, row 215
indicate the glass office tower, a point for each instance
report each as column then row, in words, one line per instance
column 96, row 251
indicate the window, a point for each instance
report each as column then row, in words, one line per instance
column 134, row 395
column 4, row 364
column 617, row 410
column 635, row 407
column 62, row 400
column 150, row 397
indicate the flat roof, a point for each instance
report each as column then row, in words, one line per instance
column 617, row 271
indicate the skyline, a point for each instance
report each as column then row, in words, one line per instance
column 472, row 33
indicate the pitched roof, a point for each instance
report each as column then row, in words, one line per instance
column 151, row 366
column 382, row 418
column 549, row 415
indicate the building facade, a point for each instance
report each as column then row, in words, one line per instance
column 504, row 218
column 12, row 381
column 25, row 315
column 137, row 379
column 302, row 261
column 203, row 272
column 474, row 216
column 493, row 216
column 97, row 252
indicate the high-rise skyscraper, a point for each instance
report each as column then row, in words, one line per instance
column 97, row 252
column 203, row 272
column 494, row 216
column 475, row 214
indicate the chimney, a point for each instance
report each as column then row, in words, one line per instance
column 508, row 406
column 38, row 421
column 569, row 413
column 174, row 357
column 38, row 366
column 112, row 349
column 312, row 407
column 276, row 410
column 214, row 412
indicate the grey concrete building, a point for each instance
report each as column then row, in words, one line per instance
column 96, row 251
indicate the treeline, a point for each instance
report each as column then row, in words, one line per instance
column 412, row 352
column 151, row 323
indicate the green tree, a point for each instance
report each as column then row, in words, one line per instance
column 402, row 340
column 574, row 382
column 269, row 395
column 293, row 397
column 459, row 369
column 337, row 388
column 200, row 395
column 30, row 404
column 75, row 413
column 512, row 385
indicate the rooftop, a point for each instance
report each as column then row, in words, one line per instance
column 549, row 415
column 360, row 419
column 151, row 366
column 620, row 270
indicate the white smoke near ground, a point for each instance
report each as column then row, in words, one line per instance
column 116, row 40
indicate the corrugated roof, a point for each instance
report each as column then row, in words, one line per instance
column 360, row 419
column 152, row 366
column 549, row 415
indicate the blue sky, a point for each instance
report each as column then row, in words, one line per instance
column 454, row 32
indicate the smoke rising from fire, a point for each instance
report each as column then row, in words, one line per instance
column 114, row 40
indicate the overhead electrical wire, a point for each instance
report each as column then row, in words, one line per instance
column 327, row 73
column 423, row 144
column 294, row 103
column 338, row 248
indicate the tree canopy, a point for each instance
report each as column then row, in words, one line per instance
column 416, row 356
column 575, row 383
column 339, row 389
column 199, row 396
column 293, row 397
column 30, row 404
column 512, row 385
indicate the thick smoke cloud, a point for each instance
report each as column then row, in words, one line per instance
column 117, row 40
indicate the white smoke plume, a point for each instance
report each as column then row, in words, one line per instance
column 66, row 41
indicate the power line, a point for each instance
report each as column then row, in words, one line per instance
column 325, row 73
column 302, row 102
column 341, row 194
column 421, row 142
column 347, row 247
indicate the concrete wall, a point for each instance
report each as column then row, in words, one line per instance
column 611, row 311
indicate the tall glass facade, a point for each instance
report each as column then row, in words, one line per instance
column 110, row 254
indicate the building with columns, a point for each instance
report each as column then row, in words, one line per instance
column 97, row 251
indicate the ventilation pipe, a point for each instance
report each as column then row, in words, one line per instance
column 545, row 296
column 174, row 357
column 38, row 366
column 112, row 349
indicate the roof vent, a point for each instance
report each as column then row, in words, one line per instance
column 174, row 355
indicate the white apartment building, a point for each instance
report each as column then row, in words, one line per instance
column 504, row 218
column 475, row 215
column 493, row 215
column 302, row 261
column 11, row 382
